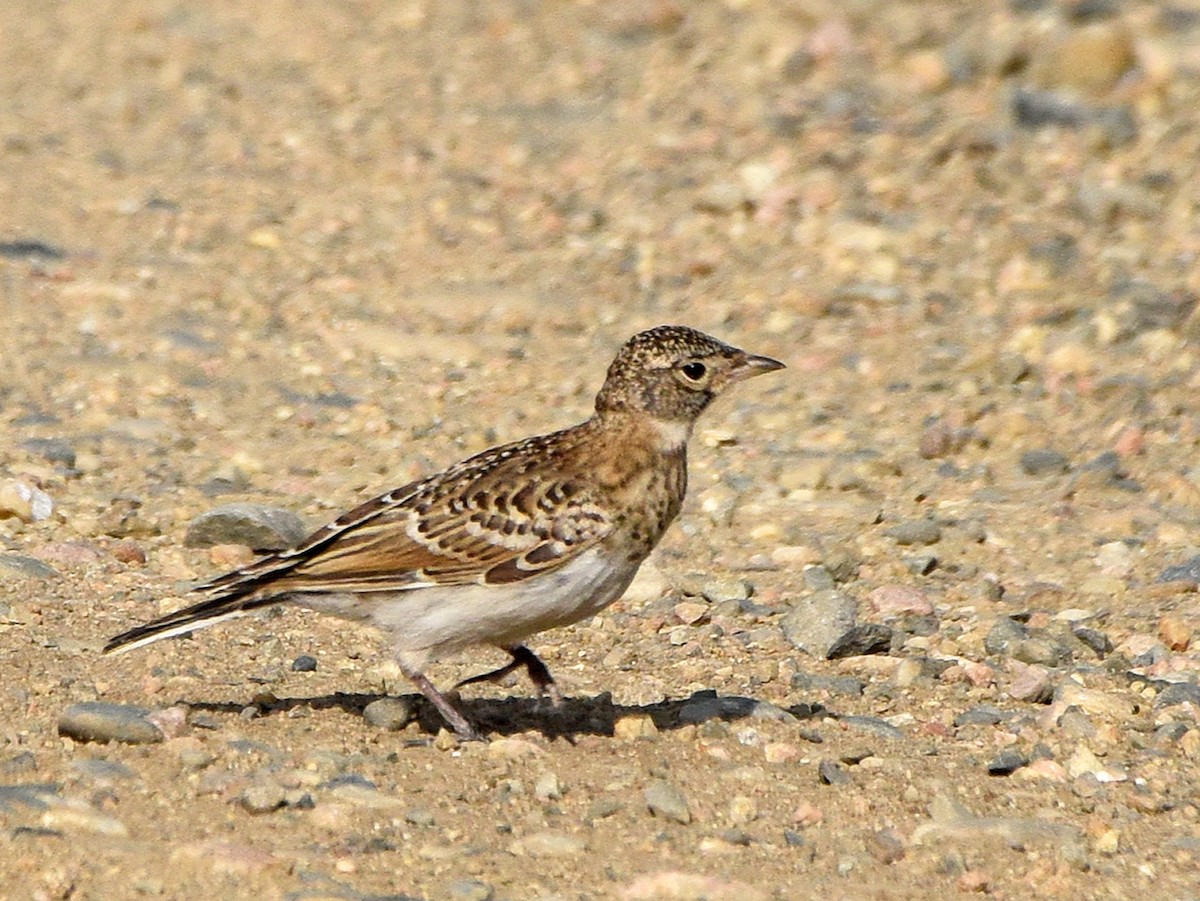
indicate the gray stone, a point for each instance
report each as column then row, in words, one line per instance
column 470, row 890
column 829, row 773
column 99, row 770
column 1100, row 643
column 816, row 623
column 55, row 450
column 667, row 802
column 980, row 715
column 392, row 714
column 102, row 722
column 259, row 526
column 20, row 566
column 1003, row 635
column 263, row 797
column 1181, row 572
column 1044, row 462
column 872, row 724
column 915, row 531
column 865, row 638
column 1178, row 693
column 838, row 686
column 1006, row 762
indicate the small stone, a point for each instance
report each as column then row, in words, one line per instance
column 1179, row 693
column 742, row 810
column 668, row 802
column 817, row 622
column 549, row 844
column 1175, row 633
column 1006, row 762
column 103, row 722
column 55, row 450
column 305, row 663
column 1182, row 572
column 915, row 531
column 780, row 752
column 639, row 727
column 886, row 846
column 722, row 197
column 981, row 715
column 470, row 890
column 691, row 613
column 899, row 600
column 27, row 503
column 547, row 788
column 513, row 749
column 419, row 816
column 263, row 797
column 860, row 640
column 258, row 526
column 14, row 566
column 602, row 808
column 829, row 773
column 392, row 714
column 921, row 565
column 1033, row 684
column 74, row 816
column 1044, row 462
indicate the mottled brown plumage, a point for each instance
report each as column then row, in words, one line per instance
column 520, row 538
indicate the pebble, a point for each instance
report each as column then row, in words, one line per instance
column 1006, row 762
column 305, row 663
column 548, row 788
column 602, row 808
column 1182, row 572
column 103, row 722
column 829, row 773
column 73, row 816
column 861, row 640
column 258, row 526
column 639, row 727
column 1175, row 633
column 817, row 622
column 27, row 503
column 55, row 450
column 667, row 802
column 548, row 844
column 263, row 797
column 899, row 600
column 470, row 890
column 873, row 725
column 513, row 749
column 1031, row 683
column 675, row 885
column 1179, row 693
column 390, row 713
column 103, row 771
column 915, row 531
column 980, row 715
column 19, row 566
column 1043, row 462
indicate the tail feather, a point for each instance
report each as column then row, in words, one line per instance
column 189, row 619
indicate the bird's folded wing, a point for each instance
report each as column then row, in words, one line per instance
column 398, row 542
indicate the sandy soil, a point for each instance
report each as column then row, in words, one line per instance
column 298, row 253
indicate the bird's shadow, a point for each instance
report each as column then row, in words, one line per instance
column 596, row 715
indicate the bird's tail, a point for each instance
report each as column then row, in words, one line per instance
column 189, row 619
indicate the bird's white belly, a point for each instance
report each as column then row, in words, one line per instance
column 432, row 621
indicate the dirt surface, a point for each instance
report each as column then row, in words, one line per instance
column 296, row 254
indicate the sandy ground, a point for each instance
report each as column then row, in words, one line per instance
column 299, row 253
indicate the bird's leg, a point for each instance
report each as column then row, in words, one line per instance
column 539, row 673
column 463, row 729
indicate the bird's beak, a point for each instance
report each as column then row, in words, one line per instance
column 751, row 365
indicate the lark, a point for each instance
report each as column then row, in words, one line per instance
column 511, row 542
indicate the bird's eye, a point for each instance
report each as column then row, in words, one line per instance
column 694, row 371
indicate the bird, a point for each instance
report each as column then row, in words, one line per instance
column 524, row 537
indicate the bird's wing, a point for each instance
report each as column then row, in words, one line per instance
column 491, row 520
